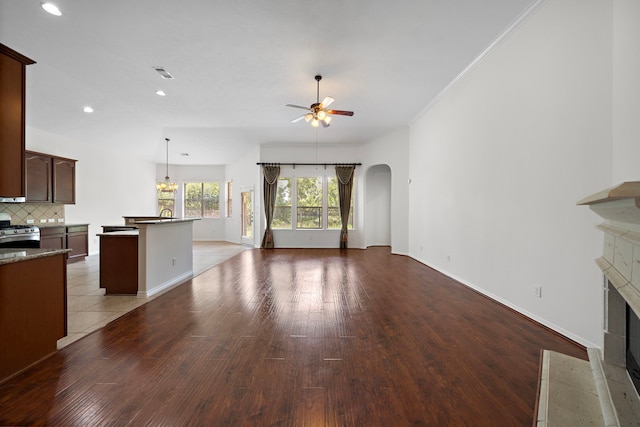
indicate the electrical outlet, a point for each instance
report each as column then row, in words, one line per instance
column 29, row 221
column 51, row 220
column 43, row 220
column 538, row 291
column 60, row 219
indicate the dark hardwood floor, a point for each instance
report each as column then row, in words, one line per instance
column 297, row 338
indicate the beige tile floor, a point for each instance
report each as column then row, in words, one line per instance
column 89, row 309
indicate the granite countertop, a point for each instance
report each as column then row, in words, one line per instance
column 55, row 224
column 9, row 255
column 124, row 233
column 167, row 221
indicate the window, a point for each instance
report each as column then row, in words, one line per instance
column 202, row 199
column 282, row 211
column 309, row 203
column 229, row 198
column 166, row 200
column 333, row 206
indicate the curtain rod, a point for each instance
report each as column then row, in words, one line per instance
column 307, row 164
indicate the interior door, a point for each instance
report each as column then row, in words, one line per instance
column 247, row 237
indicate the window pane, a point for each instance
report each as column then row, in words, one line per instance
column 309, row 203
column 211, row 200
column 192, row 199
column 282, row 212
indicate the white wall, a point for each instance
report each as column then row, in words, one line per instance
column 391, row 149
column 108, row 184
column 499, row 161
column 626, row 90
column 244, row 174
column 378, row 206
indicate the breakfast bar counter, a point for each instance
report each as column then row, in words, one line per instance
column 150, row 259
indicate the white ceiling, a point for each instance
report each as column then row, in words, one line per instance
column 236, row 64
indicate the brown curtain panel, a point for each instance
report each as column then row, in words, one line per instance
column 345, row 185
column 270, row 189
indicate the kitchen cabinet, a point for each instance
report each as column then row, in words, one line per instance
column 53, row 237
column 12, row 123
column 119, row 263
column 33, row 308
column 78, row 242
column 38, row 177
column 74, row 237
column 50, row 179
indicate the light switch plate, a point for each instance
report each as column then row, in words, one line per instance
column 60, row 219
column 52, row 220
column 43, row 220
column 29, row 221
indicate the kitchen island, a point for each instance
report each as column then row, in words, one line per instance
column 150, row 259
column 33, row 306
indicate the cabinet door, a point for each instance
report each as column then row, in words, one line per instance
column 53, row 238
column 52, row 242
column 38, row 177
column 64, row 181
column 11, row 127
column 78, row 242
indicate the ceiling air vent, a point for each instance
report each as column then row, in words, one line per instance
column 164, row 73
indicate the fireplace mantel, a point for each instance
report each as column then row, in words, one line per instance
column 619, row 204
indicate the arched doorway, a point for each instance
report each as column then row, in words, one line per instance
column 378, row 206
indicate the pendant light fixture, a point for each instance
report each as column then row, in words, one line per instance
column 167, row 185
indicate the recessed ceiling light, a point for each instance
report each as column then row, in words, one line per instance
column 161, row 93
column 51, row 8
column 87, row 109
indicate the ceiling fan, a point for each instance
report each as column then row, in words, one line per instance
column 318, row 112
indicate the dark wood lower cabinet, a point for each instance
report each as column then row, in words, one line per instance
column 53, row 237
column 119, row 264
column 33, row 311
column 74, row 237
column 78, row 242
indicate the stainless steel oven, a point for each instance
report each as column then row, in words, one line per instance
column 18, row 236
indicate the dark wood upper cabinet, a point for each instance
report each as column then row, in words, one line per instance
column 50, row 178
column 12, row 122
column 64, row 180
column 38, row 177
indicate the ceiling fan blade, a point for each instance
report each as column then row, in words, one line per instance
column 298, row 119
column 340, row 112
column 326, row 102
column 297, row 106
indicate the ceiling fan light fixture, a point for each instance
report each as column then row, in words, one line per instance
column 315, row 122
column 321, row 115
column 308, row 117
column 327, row 120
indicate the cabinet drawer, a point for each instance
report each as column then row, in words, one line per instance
column 78, row 229
column 52, row 231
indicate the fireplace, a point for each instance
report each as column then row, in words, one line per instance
column 620, row 263
column 633, row 347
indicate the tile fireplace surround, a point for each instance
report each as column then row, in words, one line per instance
column 619, row 206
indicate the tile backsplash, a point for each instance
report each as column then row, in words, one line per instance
column 40, row 213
